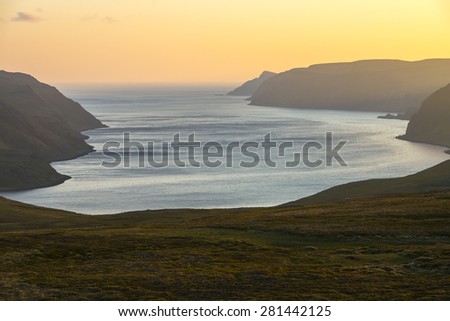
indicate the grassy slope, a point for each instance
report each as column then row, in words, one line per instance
column 374, row 249
column 431, row 179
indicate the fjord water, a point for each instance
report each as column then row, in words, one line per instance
column 157, row 114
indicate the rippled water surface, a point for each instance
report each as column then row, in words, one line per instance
column 151, row 114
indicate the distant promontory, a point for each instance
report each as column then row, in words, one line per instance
column 38, row 125
column 370, row 85
column 250, row 87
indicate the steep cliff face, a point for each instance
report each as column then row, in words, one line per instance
column 38, row 118
column 250, row 87
column 370, row 85
column 432, row 123
column 38, row 125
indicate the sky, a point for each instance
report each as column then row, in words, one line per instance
column 210, row 41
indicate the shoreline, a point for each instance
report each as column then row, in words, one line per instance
column 405, row 138
column 304, row 201
column 64, row 178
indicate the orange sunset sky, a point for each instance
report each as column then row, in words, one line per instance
column 210, row 41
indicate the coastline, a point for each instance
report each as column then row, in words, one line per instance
column 293, row 196
column 405, row 138
column 51, row 177
column 52, row 183
column 257, row 253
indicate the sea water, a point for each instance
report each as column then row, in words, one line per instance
column 151, row 114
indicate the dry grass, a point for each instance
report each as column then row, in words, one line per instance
column 394, row 248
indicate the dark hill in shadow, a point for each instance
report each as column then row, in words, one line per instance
column 369, row 85
column 250, row 87
column 38, row 125
column 432, row 123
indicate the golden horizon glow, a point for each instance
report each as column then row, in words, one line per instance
column 204, row 41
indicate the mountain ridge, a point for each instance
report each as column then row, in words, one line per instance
column 365, row 85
